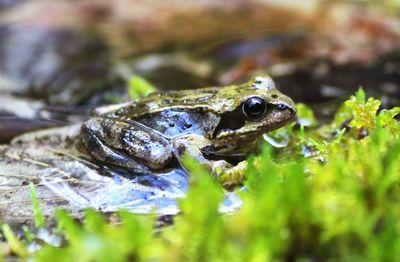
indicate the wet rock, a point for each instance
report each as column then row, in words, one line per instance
column 55, row 65
column 20, row 115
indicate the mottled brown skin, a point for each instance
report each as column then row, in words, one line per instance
column 147, row 134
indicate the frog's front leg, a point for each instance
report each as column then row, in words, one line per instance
column 192, row 144
column 125, row 144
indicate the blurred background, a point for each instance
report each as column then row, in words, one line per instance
column 59, row 58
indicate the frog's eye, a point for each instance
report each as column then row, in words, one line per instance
column 254, row 107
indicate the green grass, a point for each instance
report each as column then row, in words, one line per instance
column 341, row 204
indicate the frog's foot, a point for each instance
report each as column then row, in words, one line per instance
column 224, row 172
column 227, row 175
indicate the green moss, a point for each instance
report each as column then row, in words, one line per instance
column 340, row 203
column 139, row 87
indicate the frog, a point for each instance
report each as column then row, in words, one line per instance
column 208, row 124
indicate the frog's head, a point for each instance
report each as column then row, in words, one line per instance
column 251, row 109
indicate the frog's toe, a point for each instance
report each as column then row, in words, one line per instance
column 231, row 177
column 218, row 167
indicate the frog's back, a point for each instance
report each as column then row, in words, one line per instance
column 173, row 122
column 160, row 101
column 172, row 113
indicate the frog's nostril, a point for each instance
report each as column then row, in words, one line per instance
column 282, row 107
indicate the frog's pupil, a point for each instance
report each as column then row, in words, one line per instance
column 254, row 107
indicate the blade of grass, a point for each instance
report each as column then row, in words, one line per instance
column 37, row 212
